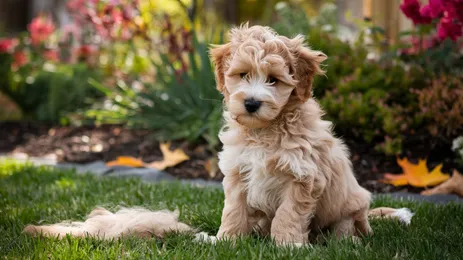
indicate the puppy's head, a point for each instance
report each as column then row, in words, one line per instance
column 260, row 72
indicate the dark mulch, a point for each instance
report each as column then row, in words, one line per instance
column 90, row 143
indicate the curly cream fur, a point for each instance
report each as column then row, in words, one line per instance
column 103, row 224
column 285, row 172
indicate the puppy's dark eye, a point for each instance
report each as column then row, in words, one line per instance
column 272, row 80
column 243, row 75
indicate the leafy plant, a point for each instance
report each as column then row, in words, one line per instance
column 435, row 41
column 50, row 93
column 441, row 105
column 179, row 105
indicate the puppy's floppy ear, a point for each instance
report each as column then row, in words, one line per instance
column 219, row 53
column 307, row 65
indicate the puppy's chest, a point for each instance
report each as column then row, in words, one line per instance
column 264, row 192
column 264, row 187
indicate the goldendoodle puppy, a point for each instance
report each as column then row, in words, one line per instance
column 285, row 172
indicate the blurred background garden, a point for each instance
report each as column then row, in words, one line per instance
column 87, row 80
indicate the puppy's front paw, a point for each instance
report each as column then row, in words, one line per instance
column 285, row 241
column 290, row 244
column 226, row 236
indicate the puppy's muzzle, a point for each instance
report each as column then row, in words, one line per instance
column 252, row 105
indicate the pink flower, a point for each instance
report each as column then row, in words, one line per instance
column 454, row 9
column 432, row 10
column 71, row 30
column 117, row 16
column 76, row 5
column 411, row 9
column 418, row 44
column 40, row 29
column 7, row 45
column 447, row 28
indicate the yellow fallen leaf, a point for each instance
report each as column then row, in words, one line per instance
column 171, row 158
column 126, row 161
column 395, row 179
column 416, row 175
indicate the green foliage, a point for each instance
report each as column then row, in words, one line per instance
column 5, row 71
column 441, row 105
column 290, row 21
column 49, row 93
column 375, row 103
column 445, row 58
column 180, row 105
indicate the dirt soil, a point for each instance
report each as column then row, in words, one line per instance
column 89, row 143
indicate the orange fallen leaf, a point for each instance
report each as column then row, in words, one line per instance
column 416, row 175
column 453, row 185
column 126, row 161
column 171, row 158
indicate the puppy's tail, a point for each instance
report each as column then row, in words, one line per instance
column 103, row 224
column 404, row 215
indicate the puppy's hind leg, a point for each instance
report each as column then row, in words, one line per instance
column 351, row 227
column 263, row 226
column 344, row 228
column 361, row 223
column 99, row 211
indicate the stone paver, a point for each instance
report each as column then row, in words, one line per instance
column 99, row 168
column 437, row 199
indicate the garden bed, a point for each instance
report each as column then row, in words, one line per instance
column 88, row 143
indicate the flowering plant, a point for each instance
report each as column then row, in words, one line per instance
column 436, row 41
column 446, row 15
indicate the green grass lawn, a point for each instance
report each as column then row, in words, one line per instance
column 39, row 195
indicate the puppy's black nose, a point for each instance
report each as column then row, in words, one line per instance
column 252, row 105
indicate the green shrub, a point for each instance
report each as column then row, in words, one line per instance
column 50, row 92
column 441, row 106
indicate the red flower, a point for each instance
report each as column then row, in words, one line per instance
column 40, row 29
column 7, row 45
column 454, row 9
column 51, row 55
column 20, row 58
column 411, row 9
column 447, row 28
column 459, row 10
column 86, row 50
